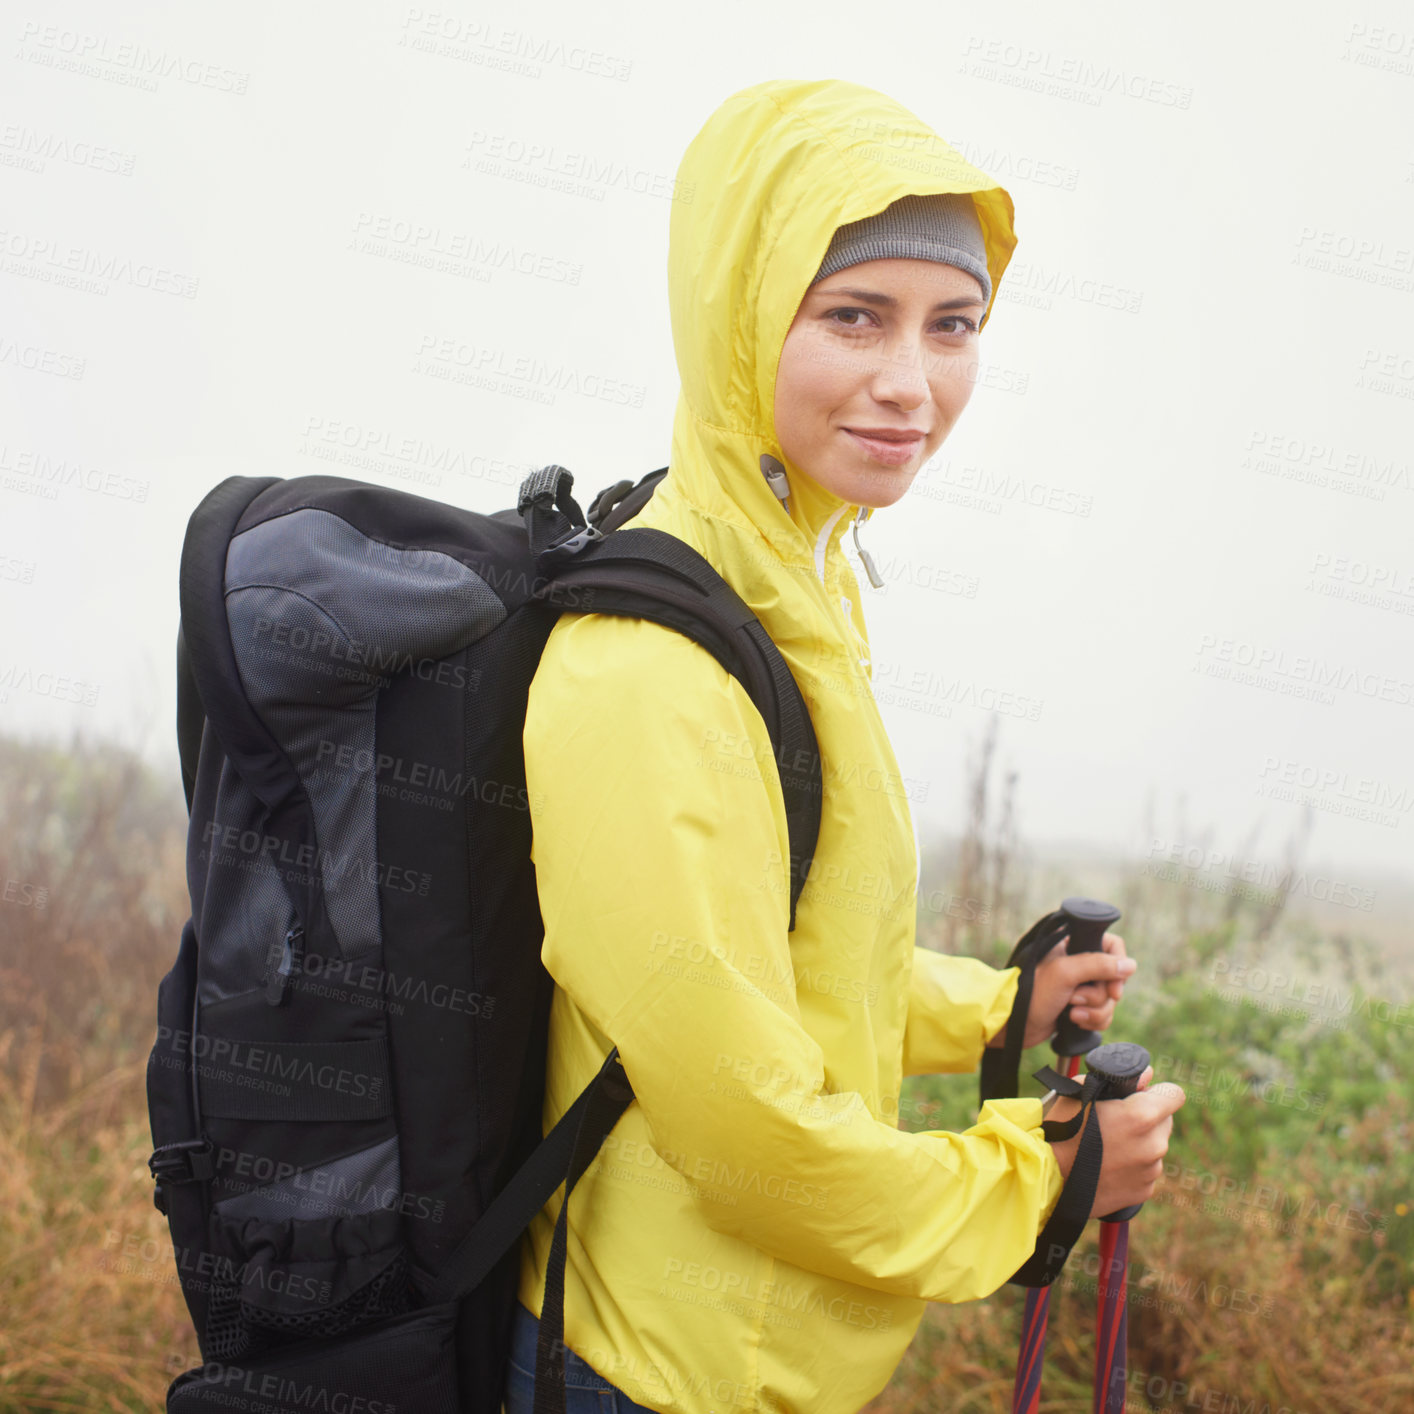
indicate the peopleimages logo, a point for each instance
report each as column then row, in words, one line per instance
column 751, row 1290
column 56, row 261
column 320, row 644
column 1166, row 858
column 1308, row 996
column 580, row 173
column 299, row 861
column 24, row 147
column 321, row 1189
column 47, row 684
column 1065, row 76
column 484, row 41
column 204, row 1271
column 1334, row 790
column 406, row 456
column 421, row 782
column 454, row 252
column 1292, row 457
column 121, row 61
column 282, row 1391
column 363, row 984
column 56, row 472
column 218, row 1057
column 1297, row 674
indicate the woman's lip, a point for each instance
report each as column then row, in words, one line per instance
column 890, row 453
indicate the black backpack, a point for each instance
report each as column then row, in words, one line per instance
column 345, row 1091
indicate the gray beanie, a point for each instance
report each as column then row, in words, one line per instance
column 944, row 228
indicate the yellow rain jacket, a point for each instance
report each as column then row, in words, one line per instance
column 757, row 1232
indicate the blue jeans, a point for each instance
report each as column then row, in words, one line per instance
column 585, row 1391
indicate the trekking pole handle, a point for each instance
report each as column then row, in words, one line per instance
column 1121, row 1064
column 1086, row 920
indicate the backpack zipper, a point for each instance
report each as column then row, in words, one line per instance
column 278, row 977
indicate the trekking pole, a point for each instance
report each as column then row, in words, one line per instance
column 1090, row 919
column 1084, row 921
column 1114, row 1071
column 1122, row 1064
column 1087, row 920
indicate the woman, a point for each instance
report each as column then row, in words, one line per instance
column 757, row 1233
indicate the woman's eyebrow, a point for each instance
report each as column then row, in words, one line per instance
column 889, row 302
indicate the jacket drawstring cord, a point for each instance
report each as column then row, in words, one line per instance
column 776, row 479
column 865, row 558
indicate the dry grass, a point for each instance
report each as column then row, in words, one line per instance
column 91, row 1314
column 1223, row 1316
column 1234, row 1306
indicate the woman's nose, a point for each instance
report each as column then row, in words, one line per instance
column 902, row 376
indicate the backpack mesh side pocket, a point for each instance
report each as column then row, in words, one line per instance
column 405, row 1362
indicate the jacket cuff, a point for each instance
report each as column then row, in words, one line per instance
column 952, row 1003
column 1024, row 1116
column 995, row 1018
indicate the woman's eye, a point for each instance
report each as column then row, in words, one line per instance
column 952, row 324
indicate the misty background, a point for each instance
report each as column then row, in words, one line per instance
column 1168, row 544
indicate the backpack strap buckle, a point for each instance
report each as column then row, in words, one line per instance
column 188, row 1161
column 570, row 546
column 552, row 516
column 606, row 500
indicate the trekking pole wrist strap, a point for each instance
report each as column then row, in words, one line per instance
column 1001, row 1065
column 1072, row 1211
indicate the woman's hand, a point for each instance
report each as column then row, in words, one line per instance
column 1090, row 983
column 1136, row 1133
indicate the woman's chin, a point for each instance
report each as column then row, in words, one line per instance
column 878, row 488
column 862, row 482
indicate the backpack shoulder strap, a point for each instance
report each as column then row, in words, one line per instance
column 209, row 684
column 206, row 660
column 191, row 719
column 561, row 1157
column 646, row 573
column 643, row 572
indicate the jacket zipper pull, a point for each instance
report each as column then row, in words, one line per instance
column 865, row 557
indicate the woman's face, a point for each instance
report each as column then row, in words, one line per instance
column 888, row 348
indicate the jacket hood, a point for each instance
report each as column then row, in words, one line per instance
column 762, row 189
